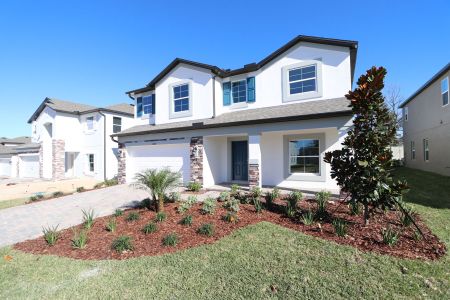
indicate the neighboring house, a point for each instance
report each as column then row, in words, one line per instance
column 267, row 123
column 71, row 140
column 426, row 125
column 8, row 153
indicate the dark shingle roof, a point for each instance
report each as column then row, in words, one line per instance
column 288, row 112
column 16, row 140
column 79, row 108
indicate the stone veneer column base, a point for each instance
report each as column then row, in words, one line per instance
column 122, row 165
column 41, row 161
column 58, row 161
column 253, row 175
column 196, row 157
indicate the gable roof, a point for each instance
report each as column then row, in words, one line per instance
column 282, row 113
column 79, row 108
column 353, row 45
column 16, row 140
column 427, row 84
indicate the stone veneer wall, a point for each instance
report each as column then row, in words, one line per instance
column 122, row 164
column 41, row 161
column 253, row 175
column 58, row 161
column 196, row 157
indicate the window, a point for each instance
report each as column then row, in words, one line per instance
column 413, row 150
column 91, row 162
column 90, row 123
column 304, row 156
column 406, row 113
column 426, row 150
column 117, row 124
column 302, row 80
column 147, row 104
column 444, row 91
column 181, row 98
column 239, row 91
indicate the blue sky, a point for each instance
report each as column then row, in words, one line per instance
column 94, row 51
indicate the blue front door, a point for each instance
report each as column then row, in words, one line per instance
column 239, row 160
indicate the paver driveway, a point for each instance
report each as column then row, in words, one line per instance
column 25, row 222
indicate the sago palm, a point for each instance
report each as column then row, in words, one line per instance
column 157, row 183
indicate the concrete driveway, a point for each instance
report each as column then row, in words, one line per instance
column 25, row 222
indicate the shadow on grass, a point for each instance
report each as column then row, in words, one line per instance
column 427, row 189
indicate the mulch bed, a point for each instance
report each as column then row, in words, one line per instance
column 364, row 238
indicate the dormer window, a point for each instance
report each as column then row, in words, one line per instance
column 302, row 81
column 90, row 123
column 239, row 91
column 147, row 104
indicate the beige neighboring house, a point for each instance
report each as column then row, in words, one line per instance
column 426, row 125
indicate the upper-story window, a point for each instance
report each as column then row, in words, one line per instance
column 302, row 80
column 145, row 105
column 117, row 124
column 426, row 150
column 413, row 150
column 239, row 91
column 406, row 113
column 444, row 91
column 90, row 123
column 181, row 98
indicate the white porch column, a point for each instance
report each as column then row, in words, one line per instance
column 254, row 160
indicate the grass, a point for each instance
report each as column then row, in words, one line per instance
column 245, row 265
column 14, row 202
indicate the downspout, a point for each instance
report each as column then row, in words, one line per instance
column 104, row 144
column 214, row 95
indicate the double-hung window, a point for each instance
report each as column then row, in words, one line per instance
column 90, row 123
column 304, row 156
column 302, row 80
column 181, row 98
column 117, row 124
column 413, row 150
column 239, row 91
column 426, row 150
column 444, row 91
column 91, row 164
column 147, row 104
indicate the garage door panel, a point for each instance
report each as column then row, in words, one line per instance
column 29, row 166
column 5, row 167
column 172, row 156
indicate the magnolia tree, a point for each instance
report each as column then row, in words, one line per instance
column 362, row 167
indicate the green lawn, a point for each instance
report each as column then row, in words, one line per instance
column 13, row 202
column 248, row 264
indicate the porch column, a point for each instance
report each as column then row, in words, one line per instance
column 122, row 164
column 196, row 157
column 58, row 162
column 254, row 161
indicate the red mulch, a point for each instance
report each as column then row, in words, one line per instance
column 364, row 238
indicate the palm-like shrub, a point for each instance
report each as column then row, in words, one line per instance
column 157, row 183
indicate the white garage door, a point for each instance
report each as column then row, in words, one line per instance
column 173, row 156
column 5, row 167
column 29, row 166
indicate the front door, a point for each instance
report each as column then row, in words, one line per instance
column 239, row 160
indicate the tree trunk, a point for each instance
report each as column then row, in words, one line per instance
column 160, row 206
column 366, row 214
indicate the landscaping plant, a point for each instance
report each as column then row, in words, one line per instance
column 80, row 239
column 88, row 218
column 118, row 212
column 80, row 189
column 150, row 228
column 160, row 217
column 132, row 216
column 231, row 217
column 340, row 227
column 170, row 240
column 123, row 243
column 407, row 215
column 111, row 225
column 390, row 237
column 51, row 234
column 187, row 220
column 111, row 182
column 194, row 186
column 57, row 194
column 291, row 203
column 308, row 218
column 355, row 207
column 322, row 198
column 174, row 197
column 363, row 166
column 271, row 197
column 157, row 183
column 206, row 229
column 209, row 206
column 224, row 196
column 187, row 204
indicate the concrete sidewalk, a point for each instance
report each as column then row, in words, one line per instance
column 25, row 222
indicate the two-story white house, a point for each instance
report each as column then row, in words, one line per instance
column 267, row 123
column 72, row 140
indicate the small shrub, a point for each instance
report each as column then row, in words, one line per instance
column 407, row 218
column 88, row 218
column 194, row 186
column 187, row 220
column 111, row 225
column 235, row 189
column 57, row 194
column 291, row 205
column 36, row 197
column 51, row 234
column 145, row 203
column 170, row 240
column 224, row 196
column 206, row 229
column 150, row 228
column 308, row 218
column 132, row 216
column 80, row 239
column 355, row 208
column 340, row 227
column 417, row 236
column 256, row 192
column 118, row 212
column 186, row 205
column 160, row 217
column 123, row 243
column 174, row 197
column 111, row 182
column 209, row 206
column 390, row 237
column 272, row 196
column 257, row 204
column 99, row 185
column 80, row 189
column 232, row 205
column 231, row 217
column 33, row 198
column 322, row 198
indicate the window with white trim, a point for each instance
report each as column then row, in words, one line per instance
column 181, row 98
column 444, row 91
column 413, row 150
column 302, row 80
column 304, row 156
column 239, row 91
column 406, row 113
column 147, row 104
column 426, row 150
column 91, row 163
column 90, row 123
column 117, row 124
